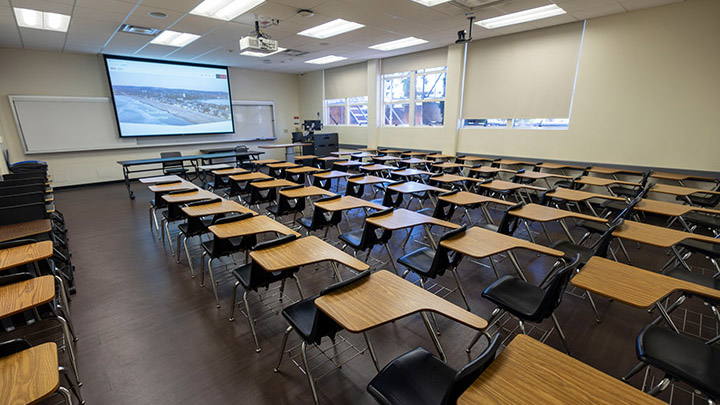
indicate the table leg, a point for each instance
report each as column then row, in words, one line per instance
column 515, row 263
column 666, row 316
column 429, row 235
column 587, row 203
column 336, row 270
column 567, row 231
column 126, row 174
column 433, row 336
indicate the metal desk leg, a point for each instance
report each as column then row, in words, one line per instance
column 587, row 203
column 567, row 231
column 429, row 235
column 433, row 337
column 515, row 263
column 126, row 174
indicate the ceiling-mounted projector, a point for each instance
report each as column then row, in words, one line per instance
column 258, row 44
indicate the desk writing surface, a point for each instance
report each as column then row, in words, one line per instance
column 249, row 176
column 368, row 149
column 389, row 151
column 282, row 165
column 305, row 192
column 348, row 163
column 412, row 172
column 229, row 171
column 440, row 156
column 195, row 195
column 222, row 207
column 679, row 176
column 511, row 162
column 543, row 213
column 415, row 161
column 530, row 372
column 541, row 175
column 610, row 170
column 216, row 166
column 490, row 169
column 414, row 153
column 387, row 158
column 670, row 209
column 401, row 218
column 30, row 375
column 24, row 229
column 370, row 179
column 558, row 166
column 329, row 158
column 343, row 152
column 250, row 226
column 273, row 184
column 362, row 155
column 160, row 179
column 579, row 195
column 19, row 255
column 502, row 185
column 681, row 191
column 656, row 235
column 347, row 203
column 332, row 174
column 632, row 285
column 448, row 165
column 377, row 167
column 475, row 159
column 467, row 198
column 172, row 187
column 415, row 187
column 384, row 297
column 480, row 242
column 302, row 252
column 449, row 178
column 24, row 295
column 302, row 169
column 602, row 182
column 305, row 157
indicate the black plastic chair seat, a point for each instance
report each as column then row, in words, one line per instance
column 426, row 211
column 695, row 278
column 592, row 226
column 352, row 238
column 709, row 221
column 570, row 249
column 706, row 248
column 244, row 275
column 171, row 218
column 614, row 205
column 431, row 380
column 705, row 202
column 305, row 222
column 301, row 316
column 210, row 244
column 520, row 298
column 624, row 191
column 418, row 261
column 682, row 357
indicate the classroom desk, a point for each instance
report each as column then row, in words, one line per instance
column 25, row 295
column 657, row 236
column 326, row 159
column 249, row 176
column 160, row 179
column 250, row 226
column 449, row 165
column 305, row 157
column 343, row 152
column 347, row 203
column 388, row 151
column 465, row 199
column 634, row 286
column 194, row 160
column 25, row 254
column 222, row 207
column 475, row 159
column 541, row 176
column 671, row 210
column 411, row 173
column 384, row 297
column 577, row 196
column 362, row 155
column 282, row 165
column 558, row 166
column 410, row 187
column 680, row 177
column 530, row 372
column 511, row 162
column 31, row 375
column 415, row 161
column 370, row 179
column 603, row 182
column 194, row 195
column 368, row 149
column 481, row 243
column 24, row 229
column 303, row 192
column 348, row 164
column 264, row 162
column 228, row 171
column 680, row 191
column 386, row 158
column 440, row 156
column 490, row 170
column 302, row 169
column 612, row 171
column 289, row 148
column 451, row 179
column 329, row 176
column 376, row 168
column 413, row 154
column 502, row 185
column 264, row 185
column 165, row 188
column 542, row 213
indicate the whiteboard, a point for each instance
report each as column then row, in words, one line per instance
column 50, row 124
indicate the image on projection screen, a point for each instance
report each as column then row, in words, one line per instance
column 155, row 98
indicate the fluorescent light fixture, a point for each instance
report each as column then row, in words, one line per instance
column 521, row 17
column 430, row 3
column 174, row 38
column 260, row 54
column 326, row 59
column 42, row 20
column 330, row 29
column 225, row 9
column 397, row 44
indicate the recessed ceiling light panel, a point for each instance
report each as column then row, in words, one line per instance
column 225, row 9
column 325, row 60
column 430, row 3
column 521, row 16
column 261, row 55
column 397, row 44
column 42, row 20
column 330, row 29
column 174, row 38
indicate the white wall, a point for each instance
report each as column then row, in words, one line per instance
column 62, row 74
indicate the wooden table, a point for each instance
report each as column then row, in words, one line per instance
column 448, row 165
column 25, row 295
column 440, row 156
column 194, row 195
column 656, row 235
column 465, row 199
column 282, row 165
column 160, row 179
column 577, row 196
column 481, row 243
column 376, row 168
column 541, row 176
column 263, row 185
column 511, row 162
column 289, row 148
column 263, row 162
column 222, row 207
column 249, row 176
column 305, row 157
column 680, row 177
column 24, row 229
column 30, row 375
column 302, row 169
column 612, row 171
column 384, row 297
column 530, row 372
column 229, row 171
column 411, row 173
column 370, row 179
column 542, row 213
column 347, row 203
column 332, row 174
column 305, row 192
column 680, row 191
column 166, row 188
column 603, row 182
column 20, row 255
column 250, row 226
column 671, row 210
column 410, row 187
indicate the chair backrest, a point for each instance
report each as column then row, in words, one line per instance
column 393, row 198
column 537, row 167
column 260, row 277
column 22, row 213
column 21, row 199
column 602, row 245
column 373, row 235
column 322, row 218
column 23, row 189
column 544, row 199
column 256, row 194
column 508, row 222
column 445, row 258
column 354, row 189
column 223, row 246
column 444, row 209
column 467, row 375
column 195, row 225
column 554, row 288
column 22, row 182
column 22, row 176
column 495, row 162
column 287, row 205
column 171, row 165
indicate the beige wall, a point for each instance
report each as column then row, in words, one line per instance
column 62, row 74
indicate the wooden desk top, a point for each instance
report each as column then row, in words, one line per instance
column 411, row 172
column 222, row 207
column 480, row 242
column 558, row 166
column 305, row 192
column 610, row 170
column 332, row 174
column 330, row 158
column 401, row 218
column 24, row 229
column 362, row 155
column 414, row 153
column 679, row 176
column 602, row 182
column 347, row 203
column 249, row 176
column 282, row 165
column 530, row 372
column 302, row 169
column 681, row 191
column 377, row 167
column 415, row 161
column 502, row 185
column 305, row 157
column 440, row 156
column 284, row 145
column 229, row 171
column 450, row 178
column 30, row 375
column 415, row 187
column 273, row 184
column 195, row 195
column 216, row 166
column 387, row 158
column 348, row 163
column 264, row 161
column 489, row 169
column 343, row 152
column 511, row 162
column 578, row 195
column 466, row 198
column 250, row 226
column 384, row 297
column 370, row 179
column 656, row 235
column 302, row 252
column 160, row 179
column 172, row 187
column 448, row 165
column 543, row 213
column 631, row 285
column 475, row 159
column 19, row 255
column 541, row 175
column 24, row 295
column 670, row 209
column 389, row 151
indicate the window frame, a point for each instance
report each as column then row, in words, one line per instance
column 413, row 99
column 347, row 104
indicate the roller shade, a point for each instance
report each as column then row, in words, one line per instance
column 415, row 61
column 346, row 81
column 525, row 75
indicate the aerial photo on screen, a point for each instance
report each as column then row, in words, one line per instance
column 165, row 99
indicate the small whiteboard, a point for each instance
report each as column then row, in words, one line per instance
column 49, row 124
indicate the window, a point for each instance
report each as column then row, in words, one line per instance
column 547, row 123
column 346, row 111
column 486, row 123
column 421, row 104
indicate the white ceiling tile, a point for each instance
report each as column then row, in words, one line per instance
column 599, row 11
column 578, row 5
column 197, row 24
column 639, row 4
column 124, row 43
column 182, row 6
column 110, row 6
column 42, row 39
column 307, row 4
column 141, row 18
column 62, row 7
column 513, row 6
column 9, row 36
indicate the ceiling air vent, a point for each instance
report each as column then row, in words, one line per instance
column 134, row 29
column 294, row 52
